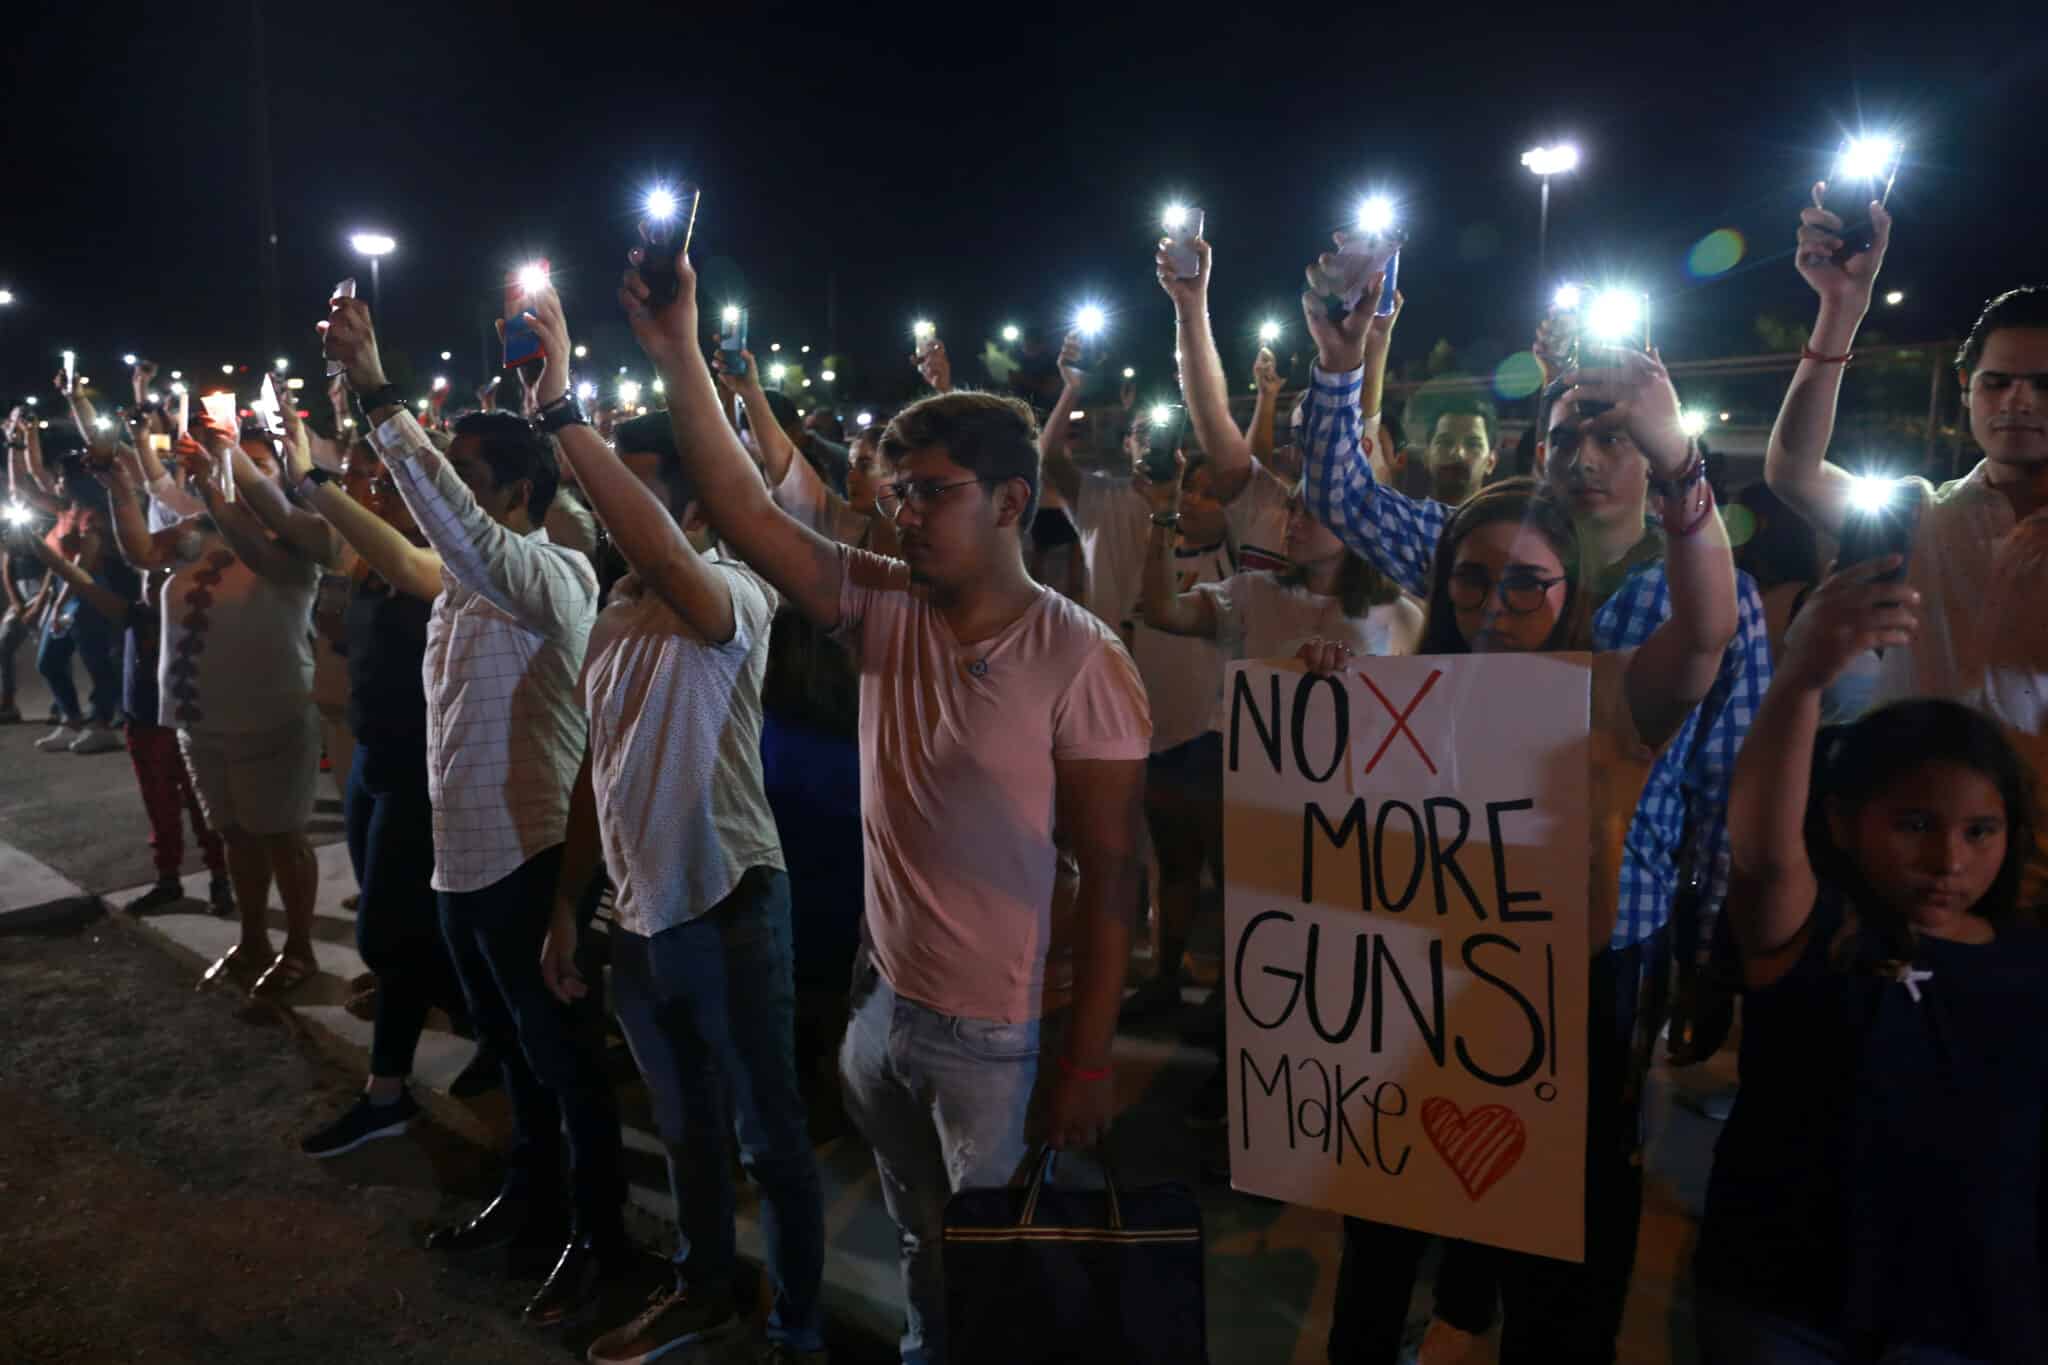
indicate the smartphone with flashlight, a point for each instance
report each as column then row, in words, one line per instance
column 184, row 411
column 1364, row 255
column 1165, row 429
column 732, row 340
column 1880, row 523
column 522, row 344
column 1864, row 171
column 668, row 217
column 345, row 290
column 159, row 444
column 70, row 372
column 1183, row 225
column 267, row 409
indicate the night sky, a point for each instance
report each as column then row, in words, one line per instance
column 977, row 165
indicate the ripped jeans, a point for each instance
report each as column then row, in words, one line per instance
column 941, row 1099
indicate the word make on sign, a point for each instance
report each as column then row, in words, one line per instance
column 1406, row 855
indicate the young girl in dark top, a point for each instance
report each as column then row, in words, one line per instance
column 1877, row 1193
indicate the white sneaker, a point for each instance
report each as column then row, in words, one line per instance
column 98, row 739
column 63, row 737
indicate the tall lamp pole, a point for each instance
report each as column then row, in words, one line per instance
column 375, row 245
column 1544, row 162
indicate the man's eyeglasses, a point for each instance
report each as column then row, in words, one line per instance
column 1521, row 590
column 918, row 493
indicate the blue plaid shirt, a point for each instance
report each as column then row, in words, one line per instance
column 1399, row 535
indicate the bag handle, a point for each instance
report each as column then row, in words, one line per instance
column 1043, row 1161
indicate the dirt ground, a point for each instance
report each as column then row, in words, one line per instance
column 154, row 1206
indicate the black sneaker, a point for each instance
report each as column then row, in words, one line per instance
column 221, row 896
column 364, row 1122
column 167, row 892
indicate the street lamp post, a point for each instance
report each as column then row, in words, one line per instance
column 1544, row 162
column 375, row 245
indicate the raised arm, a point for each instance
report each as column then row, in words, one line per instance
column 1057, row 466
column 1679, row 664
column 132, row 536
column 304, row 532
column 1396, row 532
column 272, row 560
column 1266, row 376
column 543, row 589
column 1177, row 613
column 1795, row 462
column 109, row 604
column 1202, row 383
column 644, row 530
column 1772, row 884
column 778, row 454
column 807, row 568
column 410, row 568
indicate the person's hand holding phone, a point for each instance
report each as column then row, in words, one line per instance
column 1844, row 282
column 934, row 366
column 296, row 447
column 1192, row 292
column 1162, row 495
column 1552, row 347
column 195, row 461
column 745, row 380
column 543, row 313
column 1341, row 342
column 1853, row 611
column 1266, row 373
column 1643, row 404
column 349, row 338
column 666, row 333
column 1071, row 374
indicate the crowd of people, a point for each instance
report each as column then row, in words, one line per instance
column 978, row 651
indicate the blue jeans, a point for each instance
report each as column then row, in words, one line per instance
column 552, row 1054
column 1731, row 1333
column 709, row 1009
column 941, row 1099
column 389, row 818
column 81, row 630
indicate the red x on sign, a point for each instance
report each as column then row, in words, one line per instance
column 1401, row 720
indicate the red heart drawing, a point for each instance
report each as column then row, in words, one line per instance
column 1479, row 1147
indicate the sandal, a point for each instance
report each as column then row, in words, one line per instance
column 234, row 967
column 286, row 973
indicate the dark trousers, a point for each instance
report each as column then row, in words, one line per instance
column 1553, row 1310
column 168, row 800
column 97, row 645
column 552, row 1054
column 389, row 818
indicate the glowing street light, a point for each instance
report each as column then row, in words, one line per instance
column 177, row 374
column 375, row 245
column 864, row 420
column 128, row 359
column 828, row 376
column 775, row 346
column 582, row 352
column 283, row 363
column 447, row 355
column 1012, row 333
column 586, row 391
column 6, row 297
column 1895, row 298
column 1543, row 162
column 1130, row 373
column 803, row 350
column 227, row 369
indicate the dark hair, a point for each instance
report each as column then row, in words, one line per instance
column 515, row 449
column 1360, row 586
column 1533, row 505
column 1780, row 546
column 652, row 435
column 1423, row 410
column 994, row 437
column 1853, row 763
column 2026, row 306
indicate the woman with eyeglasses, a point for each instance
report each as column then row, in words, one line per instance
column 1506, row 577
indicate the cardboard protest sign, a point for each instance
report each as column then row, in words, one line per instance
column 1406, row 852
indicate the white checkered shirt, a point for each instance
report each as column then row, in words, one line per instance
column 1690, row 778
column 505, row 732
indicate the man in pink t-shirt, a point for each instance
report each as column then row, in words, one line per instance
column 991, row 710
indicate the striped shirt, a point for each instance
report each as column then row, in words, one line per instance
column 1689, row 780
column 505, row 645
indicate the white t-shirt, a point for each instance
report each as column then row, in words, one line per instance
column 1258, row 617
column 1183, row 674
column 237, row 655
column 1955, row 546
column 675, row 752
column 1257, row 518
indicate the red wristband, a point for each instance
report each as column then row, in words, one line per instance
column 1808, row 353
column 1083, row 1073
column 1700, row 517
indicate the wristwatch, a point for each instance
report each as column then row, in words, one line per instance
column 315, row 476
column 1170, row 520
column 383, row 396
